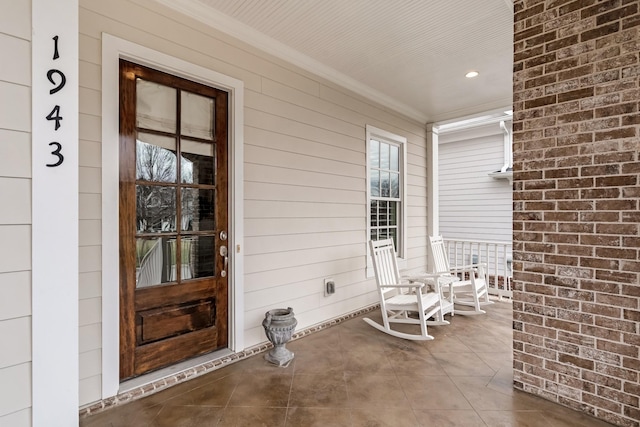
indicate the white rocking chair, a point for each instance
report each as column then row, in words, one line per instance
column 400, row 299
column 467, row 285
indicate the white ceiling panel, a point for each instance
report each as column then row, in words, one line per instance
column 413, row 53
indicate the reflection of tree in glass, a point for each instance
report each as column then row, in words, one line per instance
column 155, row 163
column 156, row 205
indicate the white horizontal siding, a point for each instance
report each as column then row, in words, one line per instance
column 15, row 214
column 304, row 174
column 472, row 204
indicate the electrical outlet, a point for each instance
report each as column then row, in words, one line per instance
column 329, row 287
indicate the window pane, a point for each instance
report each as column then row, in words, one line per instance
column 155, row 158
column 395, row 161
column 375, row 183
column 374, row 234
column 393, row 233
column 155, row 209
column 384, row 156
column 151, row 262
column 383, row 213
column 393, row 213
column 374, row 213
column 197, row 162
column 198, row 210
column 374, row 154
column 384, row 184
column 395, row 185
column 155, row 106
column 197, row 116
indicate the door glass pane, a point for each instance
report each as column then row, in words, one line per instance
column 155, row 106
column 182, row 262
column 197, row 162
column 374, row 154
column 155, row 158
column 196, row 116
column 155, row 209
column 198, row 210
column 395, row 185
column 395, row 161
column 151, row 262
column 202, row 256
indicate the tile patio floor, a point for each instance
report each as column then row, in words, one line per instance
column 353, row 375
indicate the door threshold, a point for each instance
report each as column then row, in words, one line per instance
column 171, row 372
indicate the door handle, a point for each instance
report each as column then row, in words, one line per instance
column 224, row 253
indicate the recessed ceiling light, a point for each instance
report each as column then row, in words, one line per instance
column 471, row 74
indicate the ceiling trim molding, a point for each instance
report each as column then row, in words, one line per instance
column 474, row 110
column 246, row 34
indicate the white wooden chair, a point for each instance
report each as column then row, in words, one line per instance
column 401, row 300
column 466, row 285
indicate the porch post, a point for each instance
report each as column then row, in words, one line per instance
column 54, row 123
column 433, row 208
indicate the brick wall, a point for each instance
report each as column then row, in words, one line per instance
column 576, row 200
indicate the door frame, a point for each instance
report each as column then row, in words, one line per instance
column 114, row 49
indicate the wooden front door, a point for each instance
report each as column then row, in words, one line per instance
column 173, row 219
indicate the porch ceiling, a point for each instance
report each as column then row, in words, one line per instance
column 411, row 54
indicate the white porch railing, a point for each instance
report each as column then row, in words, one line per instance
column 497, row 255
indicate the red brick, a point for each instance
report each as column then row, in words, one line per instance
column 576, row 361
column 600, row 31
column 603, row 380
column 575, row 228
column 599, row 240
column 600, row 170
column 597, row 332
column 562, row 173
column 616, row 205
column 621, row 229
column 600, row 7
column 599, row 216
column 616, row 110
column 617, row 301
column 613, row 371
column 627, row 325
column 575, row 5
column 628, row 132
column 617, row 14
column 575, row 250
column 600, row 193
column 539, row 102
column 575, row 205
column 602, row 310
column 617, row 276
column 601, row 403
column 576, row 94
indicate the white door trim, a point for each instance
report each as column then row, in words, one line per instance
column 113, row 49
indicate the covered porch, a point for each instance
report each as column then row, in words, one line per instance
column 350, row 374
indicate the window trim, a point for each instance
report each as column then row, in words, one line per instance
column 401, row 142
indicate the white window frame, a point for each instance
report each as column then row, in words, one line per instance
column 373, row 132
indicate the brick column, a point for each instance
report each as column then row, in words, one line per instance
column 576, row 200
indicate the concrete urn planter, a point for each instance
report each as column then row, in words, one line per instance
column 279, row 325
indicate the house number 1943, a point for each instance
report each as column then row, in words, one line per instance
column 58, row 80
